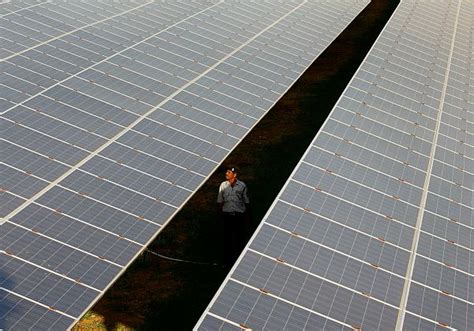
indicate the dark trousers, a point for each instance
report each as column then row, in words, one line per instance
column 233, row 236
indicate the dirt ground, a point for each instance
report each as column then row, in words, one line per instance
column 155, row 293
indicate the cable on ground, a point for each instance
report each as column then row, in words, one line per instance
column 179, row 260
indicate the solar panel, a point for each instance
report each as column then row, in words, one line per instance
column 373, row 229
column 113, row 114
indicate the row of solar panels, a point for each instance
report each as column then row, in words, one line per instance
column 374, row 228
column 113, row 118
column 113, row 115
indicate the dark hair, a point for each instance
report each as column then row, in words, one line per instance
column 232, row 168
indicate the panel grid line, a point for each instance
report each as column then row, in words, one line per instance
column 385, row 242
column 291, row 303
column 117, row 53
column 386, row 126
column 334, row 250
column 63, row 243
column 361, row 164
column 25, row 8
column 75, row 30
column 155, row 121
column 85, row 195
column 35, row 302
column 374, row 151
column 341, row 224
column 424, row 197
column 336, row 174
column 48, row 270
column 323, row 279
column 77, row 220
column 350, row 202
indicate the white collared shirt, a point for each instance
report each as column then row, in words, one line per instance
column 233, row 197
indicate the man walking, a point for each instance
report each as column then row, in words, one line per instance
column 233, row 203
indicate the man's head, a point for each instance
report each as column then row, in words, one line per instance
column 231, row 173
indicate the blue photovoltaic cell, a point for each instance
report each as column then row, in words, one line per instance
column 21, row 314
column 373, row 229
column 113, row 114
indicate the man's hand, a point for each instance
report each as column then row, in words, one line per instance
column 219, row 208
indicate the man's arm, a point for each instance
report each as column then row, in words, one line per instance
column 245, row 197
column 220, row 199
column 247, row 215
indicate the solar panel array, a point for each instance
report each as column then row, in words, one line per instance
column 373, row 229
column 113, row 114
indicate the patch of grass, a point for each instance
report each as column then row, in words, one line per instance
column 91, row 321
